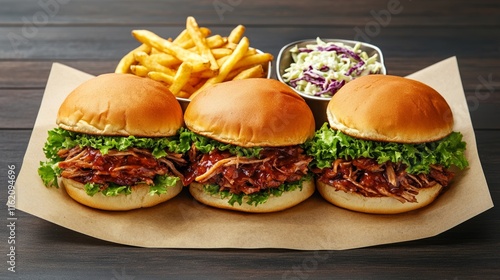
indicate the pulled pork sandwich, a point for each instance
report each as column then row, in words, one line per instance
column 246, row 152
column 389, row 146
column 117, row 144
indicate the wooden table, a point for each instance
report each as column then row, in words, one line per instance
column 93, row 35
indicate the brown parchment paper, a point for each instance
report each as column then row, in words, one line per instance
column 312, row 225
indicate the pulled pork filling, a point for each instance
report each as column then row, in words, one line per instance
column 371, row 179
column 126, row 168
column 243, row 175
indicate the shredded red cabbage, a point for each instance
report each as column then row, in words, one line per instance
column 323, row 81
column 328, row 87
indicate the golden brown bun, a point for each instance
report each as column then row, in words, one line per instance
column 251, row 112
column 273, row 204
column 121, row 105
column 376, row 205
column 138, row 198
column 391, row 109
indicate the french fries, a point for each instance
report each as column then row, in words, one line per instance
column 155, row 41
column 252, row 72
column 200, row 42
column 194, row 59
column 227, row 66
column 181, row 77
column 236, row 34
column 125, row 63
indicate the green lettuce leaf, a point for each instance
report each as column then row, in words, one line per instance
column 160, row 186
column 92, row 189
column 328, row 145
column 112, row 189
column 59, row 138
column 49, row 174
column 206, row 145
column 256, row 198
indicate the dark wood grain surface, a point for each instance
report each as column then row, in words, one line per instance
column 93, row 35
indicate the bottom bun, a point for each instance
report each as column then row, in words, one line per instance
column 376, row 205
column 273, row 204
column 139, row 198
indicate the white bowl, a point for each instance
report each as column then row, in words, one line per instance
column 319, row 104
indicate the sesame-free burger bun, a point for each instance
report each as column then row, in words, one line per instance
column 121, row 105
column 273, row 204
column 390, row 109
column 138, row 198
column 376, row 205
column 268, row 113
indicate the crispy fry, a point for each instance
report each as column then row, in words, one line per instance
column 162, row 77
column 200, row 42
column 227, row 66
column 194, row 59
column 223, row 59
column 237, row 54
column 181, row 38
column 221, row 52
column 184, row 94
column 166, row 59
column 230, row 45
column 184, row 40
column 194, row 80
column 236, row 34
column 139, row 70
column 259, row 58
column 251, row 51
column 125, row 63
column 216, row 41
column 145, row 60
column 256, row 71
column 153, row 40
column 181, row 77
column 154, row 51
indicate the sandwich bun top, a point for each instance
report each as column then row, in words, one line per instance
column 251, row 112
column 390, row 109
column 121, row 105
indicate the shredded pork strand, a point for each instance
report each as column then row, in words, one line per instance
column 371, row 179
column 226, row 162
column 129, row 167
column 248, row 175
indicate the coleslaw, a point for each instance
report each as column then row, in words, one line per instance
column 321, row 69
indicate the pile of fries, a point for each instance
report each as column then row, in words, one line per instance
column 195, row 59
